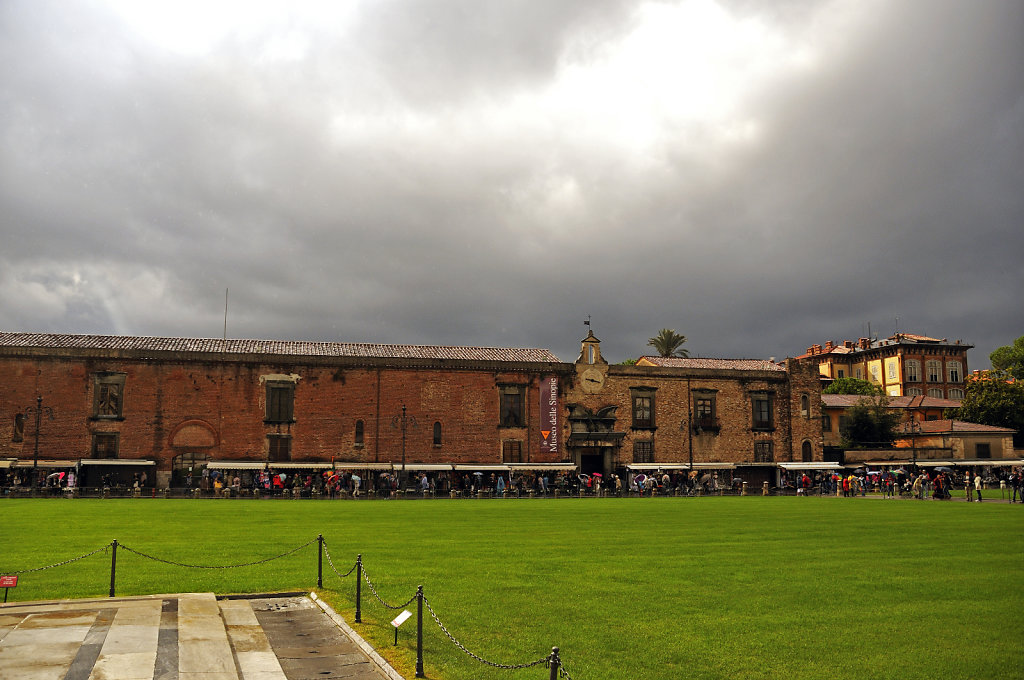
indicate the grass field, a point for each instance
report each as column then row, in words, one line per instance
column 627, row 588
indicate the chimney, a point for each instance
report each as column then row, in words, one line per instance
column 810, row 350
column 817, row 349
column 829, row 346
column 865, row 343
column 848, row 344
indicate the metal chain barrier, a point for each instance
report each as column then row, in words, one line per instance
column 562, row 673
column 335, row 569
column 374, row 591
column 224, row 566
column 543, row 659
column 61, row 564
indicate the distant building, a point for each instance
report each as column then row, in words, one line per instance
column 903, row 365
column 919, row 409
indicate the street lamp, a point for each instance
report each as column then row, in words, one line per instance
column 403, row 422
column 914, row 429
column 38, row 409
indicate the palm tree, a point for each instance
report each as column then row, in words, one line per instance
column 668, row 343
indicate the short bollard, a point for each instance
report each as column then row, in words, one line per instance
column 359, row 583
column 419, row 633
column 764, row 489
column 554, row 663
column 320, row 561
column 113, row 565
column 744, row 492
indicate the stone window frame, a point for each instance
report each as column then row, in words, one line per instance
column 437, row 434
column 933, row 371
column 643, row 451
column 936, row 393
column 105, row 445
column 279, row 448
column 512, row 405
column 912, row 370
column 764, row 451
column 280, row 405
column 954, row 372
column 643, row 407
column 762, row 419
column 805, row 406
column 955, row 393
column 108, row 395
column 512, row 451
column 705, row 411
column 359, row 434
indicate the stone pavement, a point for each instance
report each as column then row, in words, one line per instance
column 191, row 636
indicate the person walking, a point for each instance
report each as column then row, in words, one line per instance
column 977, row 486
column 967, row 486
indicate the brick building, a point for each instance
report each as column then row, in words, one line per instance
column 118, row 405
column 902, row 365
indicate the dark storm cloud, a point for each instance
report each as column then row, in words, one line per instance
column 426, row 173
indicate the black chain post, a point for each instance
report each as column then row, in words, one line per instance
column 555, row 663
column 113, row 566
column 419, row 633
column 359, row 583
column 320, row 561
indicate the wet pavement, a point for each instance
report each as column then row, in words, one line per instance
column 191, row 636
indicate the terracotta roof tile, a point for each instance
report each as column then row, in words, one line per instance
column 273, row 347
column 938, row 426
column 718, row 364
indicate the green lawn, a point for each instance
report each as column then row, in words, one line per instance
column 628, row 588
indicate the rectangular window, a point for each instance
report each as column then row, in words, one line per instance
column 934, row 371
column 512, row 451
column 762, row 411
column 108, row 395
column 643, row 408
column 840, row 373
column 643, row 452
column 105, row 445
column 954, row 371
column 982, row 450
column 705, row 412
column 913, row 371
column 763, row 452
column 280, row 401
column 279, row 448
column 826, row 423
column 511, row 406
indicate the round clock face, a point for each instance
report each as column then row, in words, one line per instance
column 593, row 379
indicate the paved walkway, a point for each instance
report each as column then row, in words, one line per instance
column 189, row 636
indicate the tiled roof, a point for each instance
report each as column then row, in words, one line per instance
column 847, row 400
column 937, row 426
column 718, row 364
column 272, row 347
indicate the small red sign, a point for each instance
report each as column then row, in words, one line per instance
column 8, row 581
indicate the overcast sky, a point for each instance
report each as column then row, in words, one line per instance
column 759, row 176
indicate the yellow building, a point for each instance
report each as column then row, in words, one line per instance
column 902, row 365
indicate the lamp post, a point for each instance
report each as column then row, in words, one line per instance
column 403, row 422
column 915, row 428
column 38, row 409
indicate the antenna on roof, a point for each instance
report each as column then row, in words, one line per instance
column 225, row 315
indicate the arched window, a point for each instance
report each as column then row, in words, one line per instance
column 806, row 451
column 359, row 433
column 437, row 434
column 19, row 428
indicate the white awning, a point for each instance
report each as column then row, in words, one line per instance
column 481, row 467
column 714, row 466
column 300, row 466
column 542, row 467
column 116, row 462
column 423, row 467
column 646, row 467
column 810, row 466
column 342, row 465
column 992, row 462
column 235, row 465
column 920, row 463
column 4, row 464
column 47, row 464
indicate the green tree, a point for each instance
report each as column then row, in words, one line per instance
column 993, row 401
column 853, row 386
column 1009, row 359
column 869, row 424
column 628, row 362
column 668, row 343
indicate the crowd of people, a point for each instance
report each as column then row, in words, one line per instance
column 936, row 483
